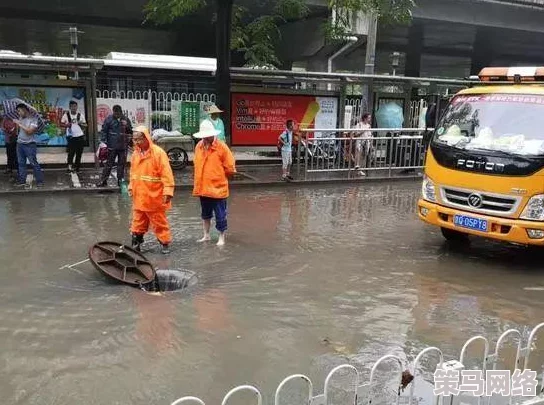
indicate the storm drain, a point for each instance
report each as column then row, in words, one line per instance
column 171, row 280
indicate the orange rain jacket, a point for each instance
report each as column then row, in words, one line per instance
column 212, row 166
column 151, row 177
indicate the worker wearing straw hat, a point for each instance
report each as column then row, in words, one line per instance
column 213, row 163
column 217, row 122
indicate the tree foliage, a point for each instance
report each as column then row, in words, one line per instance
column 388, row 12
column 256, row 23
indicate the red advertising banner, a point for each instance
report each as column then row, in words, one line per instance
column 259, row 119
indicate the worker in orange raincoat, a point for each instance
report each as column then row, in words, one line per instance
column 151, row 188
column 213, row 163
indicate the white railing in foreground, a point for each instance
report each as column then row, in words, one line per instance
column 363, row 394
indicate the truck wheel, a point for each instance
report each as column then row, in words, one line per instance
column 454, row 236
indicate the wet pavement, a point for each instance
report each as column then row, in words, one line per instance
column 58, row 179
column 310, row 278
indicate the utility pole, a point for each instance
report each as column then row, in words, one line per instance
column 222, row 49
column 370, row 57
column 73, row 31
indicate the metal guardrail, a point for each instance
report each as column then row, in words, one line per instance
column 388, row 149
column 363, row 393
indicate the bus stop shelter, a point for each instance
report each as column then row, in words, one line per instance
column 371, row 90
column 48, row 84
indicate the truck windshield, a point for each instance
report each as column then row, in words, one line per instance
column 506, row 123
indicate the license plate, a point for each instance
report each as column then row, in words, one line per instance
column 470, row 223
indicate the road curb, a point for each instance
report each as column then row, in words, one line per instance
column 233, row 185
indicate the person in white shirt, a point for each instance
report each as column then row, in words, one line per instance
column 75, row 123
column 363, row 146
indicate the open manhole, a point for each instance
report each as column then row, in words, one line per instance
column 171, row 280
column 128, row 266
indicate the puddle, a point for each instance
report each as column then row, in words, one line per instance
column 349, row 263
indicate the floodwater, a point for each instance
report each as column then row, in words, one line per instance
column 311, row 278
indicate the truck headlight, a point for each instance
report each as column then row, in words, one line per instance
column 428, row 191
column 534, row 210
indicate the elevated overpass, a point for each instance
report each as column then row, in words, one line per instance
column 446, row 38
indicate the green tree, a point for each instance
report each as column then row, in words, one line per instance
column 255, row 24
column 253, row 27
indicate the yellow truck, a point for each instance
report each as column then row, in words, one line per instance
column 484, row 165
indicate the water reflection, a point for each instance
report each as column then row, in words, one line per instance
column 155, row 324
column 212, row 311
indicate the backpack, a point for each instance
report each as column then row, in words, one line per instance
column 70, row 117
column 10, row 128
column 103, row 153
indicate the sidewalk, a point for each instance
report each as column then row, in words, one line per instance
column 58, row 159
column 268, row 175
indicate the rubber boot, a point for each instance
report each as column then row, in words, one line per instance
column 137, row 240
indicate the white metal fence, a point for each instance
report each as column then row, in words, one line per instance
column 363, row 393
column 359, row 106
column 417, row 108
column 159, row 104
column 346, row 150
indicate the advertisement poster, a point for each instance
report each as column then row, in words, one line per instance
column 137, row 111
column 183, row 115
column 258, row 119
column 51, row 103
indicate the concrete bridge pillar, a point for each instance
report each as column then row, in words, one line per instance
column 414, row 50
column 482, row 50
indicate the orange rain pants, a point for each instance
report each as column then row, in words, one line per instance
column 158, row 221
column 151, row 180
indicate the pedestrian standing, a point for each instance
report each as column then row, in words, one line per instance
column 285, row 142
column 75, row 123
column 217, row 122
column 9, row 128
column 27, row 148
column 363, row 145
column 213, row 164
column 151, row 188
column 115, row 134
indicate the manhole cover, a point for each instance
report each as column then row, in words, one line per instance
column 121, row 263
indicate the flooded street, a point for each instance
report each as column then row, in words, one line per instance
column 310, row 278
